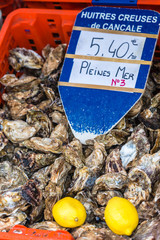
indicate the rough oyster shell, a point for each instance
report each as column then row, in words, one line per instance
column 114, row 163
column 60, row 132
column 147, row 210
column 47, row 225
column 148, row 230
column 157, row 197
column 96, row 159
column 8, row 222
column 18, row 130
column 103, row 197
column 135, row 109
column 31, row 161
column 43, row 144
column 73, row 153
column 55, row 189
column 11, row 176
column 134, row 148
column 90, row 205
column 22, row 57
column 139, row 188
column 54, row 59
column 110, row 181
column 40, row 121
column 83, row 179
column 10, row 80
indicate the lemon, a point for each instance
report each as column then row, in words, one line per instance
column 121, row 216
column 69, row 212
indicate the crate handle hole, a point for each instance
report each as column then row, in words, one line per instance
column 55, row 35
column 31, row 41
column 27, row 31
column 52, row 25
column 50, row 20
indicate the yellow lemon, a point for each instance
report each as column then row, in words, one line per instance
column 69, row 212
column 121, row 216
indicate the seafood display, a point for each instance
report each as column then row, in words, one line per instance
column 41, row 161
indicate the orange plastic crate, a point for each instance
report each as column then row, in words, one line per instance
column 33, row 29
column 19, row 232
column 6, row 7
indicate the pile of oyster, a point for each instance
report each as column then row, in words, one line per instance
column 41, row 161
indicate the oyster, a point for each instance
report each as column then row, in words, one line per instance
column 114, row 163
column 31, row 161
column 60, row 132
column 149, row 163
column 91, row 232
column 73, row 153
column 134, row 148
column 3, row 140
column 96, row 159
column 16, row 218
column 11, row 176
column 90, row 205
column 83, row 179
column 18, row 130
column 139, row 187
column 40, row 121
column 147, row 210
column 104, row 196
column 41, row 177
column 157, row 197
column 99, row 213
column 58, row 117
column 55, row 188
column 22, row 57
column 11, row 202
column 54, row 59
column 10, row 80
column 148, row 230
column 47, row 225
column 43, row 144
column 150, row 118
column 110, row 181
column 18, row 109
column 135, row 109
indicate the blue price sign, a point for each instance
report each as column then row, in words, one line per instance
column 106, row 67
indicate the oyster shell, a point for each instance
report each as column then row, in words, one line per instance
column 40, row 121
column 11, row 202
column 134, row 148
column 54, row 59
column 10, row 80
column 11, row 176
column 91, row 232
column 135, row 109
column 60, row 132
column 90, row 205
column 139, row 188
column 150, row 118
column 103, row 197
column 22, row 57
column 99, row 213
column 110, row 181
column 43, row 144
column 147, row 210
column 148, row 230
column 58, row 117
column 157, row 197
column 83, row 179
column 149, row 163
column 73, row 153
column 96, row 159
column 114, row 163
column 16, row 218
column 18, row 130
column 31, row 161
column 3, row 140
column 55, row 188
column 47, row 225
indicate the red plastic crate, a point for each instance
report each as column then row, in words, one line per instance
column 23, row 28
column 19, row 232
